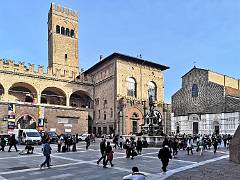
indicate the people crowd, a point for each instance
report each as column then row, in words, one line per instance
column 171, row 145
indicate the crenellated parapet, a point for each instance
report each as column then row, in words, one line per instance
column 58, row 9
column 29, row 69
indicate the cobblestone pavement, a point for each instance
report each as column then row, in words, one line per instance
column 82, row 165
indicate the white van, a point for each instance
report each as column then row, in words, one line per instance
column 27, row 136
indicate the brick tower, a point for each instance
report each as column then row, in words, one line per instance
column 63, row 41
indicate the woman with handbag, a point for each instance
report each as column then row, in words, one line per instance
column 109, row 153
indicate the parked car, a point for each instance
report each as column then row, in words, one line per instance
column 27, row 136
column 53, row 136
column 82, row 137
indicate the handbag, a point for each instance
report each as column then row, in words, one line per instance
column 110, row 156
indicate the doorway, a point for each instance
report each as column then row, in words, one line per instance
column 195, row 127
column 216, row 129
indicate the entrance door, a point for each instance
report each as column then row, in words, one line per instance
column 178, row 130
column 134, row 127
column 216, row 129
column 195, row 127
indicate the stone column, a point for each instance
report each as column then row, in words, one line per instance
column 234, row 148
column 68, row 100
column 39, row 98
column 5, row 96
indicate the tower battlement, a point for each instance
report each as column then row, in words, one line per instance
column 61, row 10
column 49, row 72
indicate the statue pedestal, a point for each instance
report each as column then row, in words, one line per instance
column 234, row 148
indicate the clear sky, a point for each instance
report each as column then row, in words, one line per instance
column 171, row 32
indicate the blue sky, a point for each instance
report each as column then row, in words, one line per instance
column 171, row 32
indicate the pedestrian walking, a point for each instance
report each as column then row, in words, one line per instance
column 103, row 153
column 175, row 147
column 135, row 175
column 120, row 140
column 225, row 141
column 132, row 148
column 215, row 145
column 3, row 143
column 200, row 146
column 189, row 146
column 164, row 155
column 139, row 146
column 115, row 141
column 12, row 142
column 109, row 154
column 88, row 141
column 59, row 143
column 46, row 152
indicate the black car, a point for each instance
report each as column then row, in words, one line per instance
column 53, row 136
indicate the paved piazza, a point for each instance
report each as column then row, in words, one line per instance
column 82, row 165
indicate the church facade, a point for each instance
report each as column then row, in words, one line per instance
column 109, row 97
column 207, row 103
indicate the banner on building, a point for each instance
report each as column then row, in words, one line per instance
column 41, row 112
column 11, row 115
column 41, row 116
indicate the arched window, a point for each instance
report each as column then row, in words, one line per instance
column 152, row 90
column 58, row 29
column 67, row 32
column 194, row 90
column 72, row 33
column 131, row 87
column 62, row 30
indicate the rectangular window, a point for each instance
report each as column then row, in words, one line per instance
column 99, row 130
column 104, row 104
column 105, row 115
column 104, row 130
column 65, row 57
column 111, row 112
column 99, row 114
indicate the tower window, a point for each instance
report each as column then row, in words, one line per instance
column 72, row 33
column 62, row 30
column 195, row 90
column 65, row 57
column 67, row 32
column 58, row 29
column 105, row 115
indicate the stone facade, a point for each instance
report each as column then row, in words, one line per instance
column 167, row 111
column 63, row 40
column 65, row 95
column 110, row 76
column 96, row 100
column 207, row 102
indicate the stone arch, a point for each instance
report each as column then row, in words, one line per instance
column 134, row 119
column 22, row 92
column 26, row 121
column 53, row 95
column 1, row 89
column 80, row 99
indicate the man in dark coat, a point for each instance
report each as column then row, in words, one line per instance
column 139, row 146
column 103, row 152
column 46, row 152
column 3, row 143
column 164, row 154
column 12, row 142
